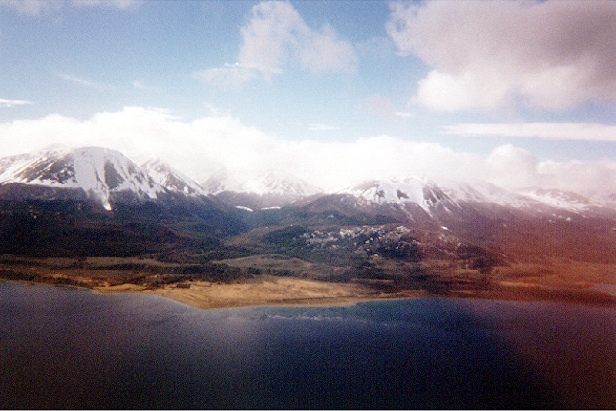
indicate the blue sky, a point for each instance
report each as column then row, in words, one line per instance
column 516, row 93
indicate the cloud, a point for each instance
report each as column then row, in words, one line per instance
column 140, row 85
column 276, row 34
column 78, row 80
column 117, row 4
column 37, row 7
column 379, row 105
column 13, row 103
column 31, row 7
column 201, row 147
column 548, row 131
column 323, row 52
column 491, row 55
column 513, row 167
column 229, row 75
column 383, row 107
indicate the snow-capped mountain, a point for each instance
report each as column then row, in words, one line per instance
column 557, row 198
column 531, row 221
column 173, row 180
column 273, row 183
column 107, row 176
column 485, row 193
column 102, row 174
column 262, row 184
column 269, row 189
column 529, row 199
column 219, row 182
column 453, row 197
column 428, row 196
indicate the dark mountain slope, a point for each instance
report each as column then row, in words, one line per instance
column 74, row 228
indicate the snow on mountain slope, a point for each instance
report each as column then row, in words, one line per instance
column 262, row 184
column 219, row 182
column 487, row 193
column 557, row 198
column 412, row 190
column 107, row 175
column 98, row 171
column 274, row 183
column 260, row 191
column 450, row 196
column 171, row 179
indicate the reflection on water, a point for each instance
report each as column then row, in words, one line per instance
column 68, row 348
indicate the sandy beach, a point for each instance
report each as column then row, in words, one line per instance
column 301, row 292
column 271, row 291
column 571, row 282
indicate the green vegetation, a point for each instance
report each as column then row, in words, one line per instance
column 154, row 246
column 72, row 228
column 149, row 245
column 110, row 271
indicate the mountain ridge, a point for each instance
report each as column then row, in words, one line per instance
column 99, row 172
column 107, row 175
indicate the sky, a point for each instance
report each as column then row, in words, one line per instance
column 516, row 93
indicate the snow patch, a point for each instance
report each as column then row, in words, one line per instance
column 98, row 171
column 412, row 190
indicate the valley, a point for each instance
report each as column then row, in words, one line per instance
column 92, row 218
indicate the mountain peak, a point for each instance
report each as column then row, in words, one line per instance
column 557, row 198
column 268, row 189
column 170, row 178
column 99, row 172
column 107, row 176
column 412, row 190
column 267, row 183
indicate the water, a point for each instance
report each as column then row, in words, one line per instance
column 69, row 348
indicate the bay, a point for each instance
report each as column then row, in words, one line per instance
column 71, row 348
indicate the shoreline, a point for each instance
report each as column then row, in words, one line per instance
column 571, row 282
column 283, row 292
column 294, row 292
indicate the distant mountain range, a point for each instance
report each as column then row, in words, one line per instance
column 107, row 176
column 529, row 220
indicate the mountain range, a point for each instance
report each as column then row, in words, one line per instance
column 509, row 222
column 107, row 176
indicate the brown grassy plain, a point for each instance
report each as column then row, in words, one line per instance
column 297, row 282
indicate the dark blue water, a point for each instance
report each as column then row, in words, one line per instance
column 69, row 348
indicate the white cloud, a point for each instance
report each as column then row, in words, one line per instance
column 322, row 52
column 13, row 103
column 549, row 131
column 79, row 80
column 31, row 7
column 37, row 7
column 276, row 34
column 140, row 85
column 203, row 146
column 230, row 75
column 379, row 105
column 383, row 107
column 273, row 28
column 117, row 4
column 547, row 55
column 513, row 167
